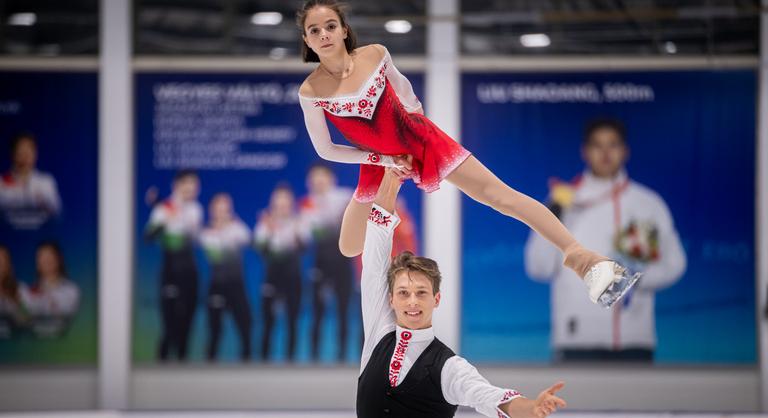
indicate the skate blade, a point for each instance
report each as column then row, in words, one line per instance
column 618, row 289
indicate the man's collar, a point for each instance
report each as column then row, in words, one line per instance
column 414, row 335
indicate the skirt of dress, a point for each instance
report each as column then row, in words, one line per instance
column 394, row 131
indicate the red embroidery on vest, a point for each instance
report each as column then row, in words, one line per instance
column 397, row 358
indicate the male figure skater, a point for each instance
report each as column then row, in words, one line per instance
column 405, row 370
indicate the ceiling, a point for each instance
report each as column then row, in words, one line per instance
column 488, row 27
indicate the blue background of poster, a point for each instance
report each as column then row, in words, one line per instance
column 250, row 190
column 61, row 110
column 694, row 145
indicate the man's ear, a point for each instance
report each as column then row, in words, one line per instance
column 437, row 299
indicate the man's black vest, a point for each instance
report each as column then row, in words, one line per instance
column 420, row 394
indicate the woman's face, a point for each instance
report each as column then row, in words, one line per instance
column 281, row 204
column 47, row 262
column 5, row 264
column 221, row 208
column 323, row 32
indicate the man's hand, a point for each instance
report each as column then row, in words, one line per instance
column 388, row 189
column 545, row 404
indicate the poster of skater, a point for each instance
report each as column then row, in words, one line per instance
column 237, row 223
column 48, row 221
column 653, row 169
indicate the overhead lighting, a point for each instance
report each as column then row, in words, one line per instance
column 22, row 19
column 398, row 26
column 535, row 40
column 267, row 18
column 670, row 47
column 278, row 53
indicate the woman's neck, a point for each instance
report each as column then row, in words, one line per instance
column 340, row 66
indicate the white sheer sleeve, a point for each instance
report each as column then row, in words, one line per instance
column 314, row 119
column 401, row 85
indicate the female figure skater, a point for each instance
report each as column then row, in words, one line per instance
column 373, row 105
column 12, row 312
column 53, row 300
column 223, row 241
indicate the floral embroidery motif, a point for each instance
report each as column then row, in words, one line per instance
column 358, row 106
column 507, row 396
column 398, row 357
column 376, row 216
column 374, row 158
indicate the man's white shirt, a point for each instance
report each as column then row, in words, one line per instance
column 461, row 383
column 576, row 322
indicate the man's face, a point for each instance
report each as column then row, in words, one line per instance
column 320, row 180
column 187, row 188
column 412, row 300
column 25, row 155
column 605, row 152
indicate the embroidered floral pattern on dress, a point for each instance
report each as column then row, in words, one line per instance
column 374, row 158
column 358, row 106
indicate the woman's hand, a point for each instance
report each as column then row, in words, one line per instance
column 406, row 166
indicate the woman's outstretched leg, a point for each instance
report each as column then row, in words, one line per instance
column 479, row 183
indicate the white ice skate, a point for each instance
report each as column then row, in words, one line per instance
column 608, row 281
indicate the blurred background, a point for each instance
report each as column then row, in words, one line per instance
column 147, row 147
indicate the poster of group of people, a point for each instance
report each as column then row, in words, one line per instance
column 237, row 225
column 654, row 169
column 48, row 218
column 236, row 219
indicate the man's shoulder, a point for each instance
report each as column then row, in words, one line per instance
column 643, row 192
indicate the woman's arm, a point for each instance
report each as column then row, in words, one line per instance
column 401, row 85
column 317, row 128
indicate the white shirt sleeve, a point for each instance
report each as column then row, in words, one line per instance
column 462, row 384
column 401, row 85
column 195, row 220
column 378, row 317
column 261, row 234
column 672, row 260
column 317, row 128
column 50, row 195
column 158, row 217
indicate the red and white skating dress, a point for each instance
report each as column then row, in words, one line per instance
column 379, row 123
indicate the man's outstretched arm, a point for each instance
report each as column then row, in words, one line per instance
column 379, row 226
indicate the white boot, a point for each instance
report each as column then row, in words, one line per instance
column 608, row 281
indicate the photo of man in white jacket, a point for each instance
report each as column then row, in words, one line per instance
column 627, row 221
